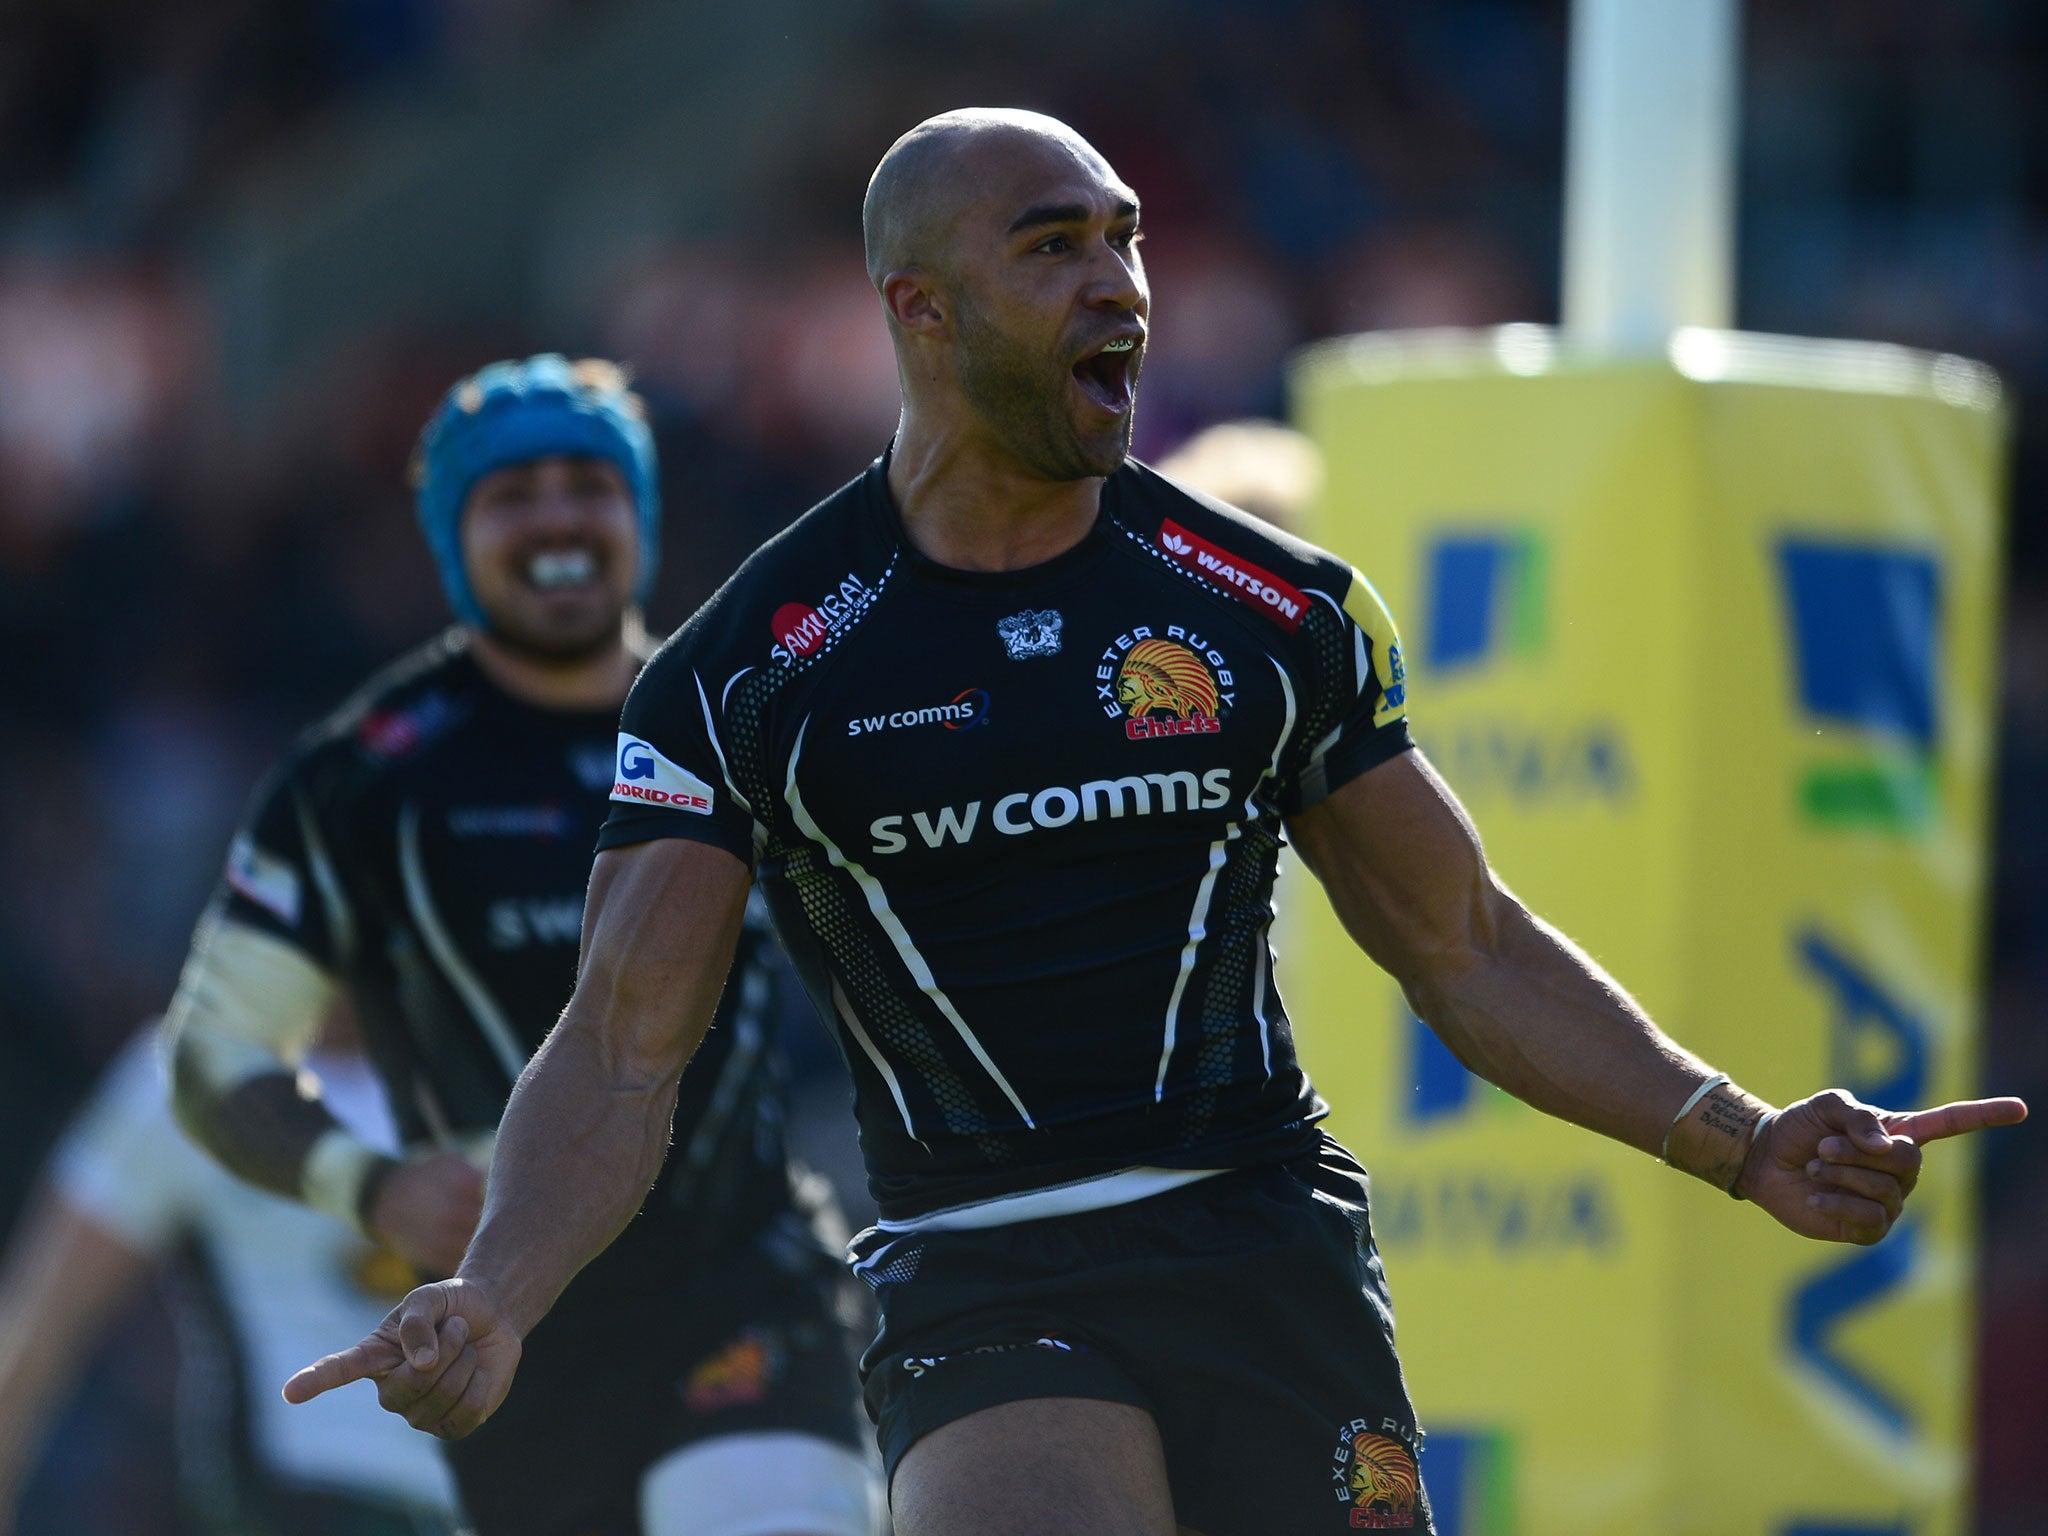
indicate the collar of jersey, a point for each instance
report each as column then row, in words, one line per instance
column 1067, row 561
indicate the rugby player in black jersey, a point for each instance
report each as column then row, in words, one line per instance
column 424, row 851
column 1009, row 730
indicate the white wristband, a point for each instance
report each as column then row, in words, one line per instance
column 332, row 1178
column 1664, row 1154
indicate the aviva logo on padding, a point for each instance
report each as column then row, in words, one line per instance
column 1489, row 596
column 1865, row 623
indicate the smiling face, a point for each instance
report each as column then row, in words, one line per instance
column 1023, row 245
column 552, row 550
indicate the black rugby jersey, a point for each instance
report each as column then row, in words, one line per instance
column 1019, row 829
column 429, row 845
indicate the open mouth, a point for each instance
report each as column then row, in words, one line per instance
column 552, row 570
column 1105, row 375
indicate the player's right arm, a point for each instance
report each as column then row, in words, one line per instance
column 259, row 981
column 582, row 1139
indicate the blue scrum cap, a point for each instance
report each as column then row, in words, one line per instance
column 509, row 413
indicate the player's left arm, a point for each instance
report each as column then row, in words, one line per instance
column 1521, row 1005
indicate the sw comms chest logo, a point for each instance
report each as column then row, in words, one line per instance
column 1376, row 1477
column 1175, row 684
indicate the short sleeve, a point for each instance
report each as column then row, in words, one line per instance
column 279, row 878
column 1357, row 712
column 669, row 774
column 123, row 1160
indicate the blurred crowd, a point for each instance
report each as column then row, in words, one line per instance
column 179, row 591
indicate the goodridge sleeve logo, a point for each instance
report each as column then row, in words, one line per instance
column 645, row 777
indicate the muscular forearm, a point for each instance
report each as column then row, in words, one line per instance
column 1513, row 998
column 581, row 1142
column 1529, row 1011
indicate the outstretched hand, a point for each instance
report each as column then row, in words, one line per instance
column 441, row 1359
column 1832, row 1168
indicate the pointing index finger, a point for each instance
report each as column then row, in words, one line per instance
column 1957, row 1119
column 366, row 1361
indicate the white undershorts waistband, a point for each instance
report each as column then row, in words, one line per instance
column 1121, row 1187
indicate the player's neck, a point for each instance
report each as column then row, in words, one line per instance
column 598, row 681
column 966, row 505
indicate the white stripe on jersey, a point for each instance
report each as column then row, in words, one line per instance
column 711, row 730
column 483, row 1007
column 878, row 903
column 843, row 1005
column 1198, row 930
column 1272, row 772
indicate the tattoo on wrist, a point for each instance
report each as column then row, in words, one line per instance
column 1712, row 1139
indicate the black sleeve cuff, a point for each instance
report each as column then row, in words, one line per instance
column 622, row 830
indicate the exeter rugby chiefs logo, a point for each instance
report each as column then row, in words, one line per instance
column 1377, row 1478
column 1166, row 690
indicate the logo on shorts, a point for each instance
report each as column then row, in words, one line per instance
column 1174, row 684
column 1034, row 632
column 1376, row 1478
column 918, row 1365
column 738, row 1376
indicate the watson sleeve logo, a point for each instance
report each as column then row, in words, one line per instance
column 645, row 777
column 1254, row 585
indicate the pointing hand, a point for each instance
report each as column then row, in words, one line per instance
column 441, row 1359
column 1832, row 1168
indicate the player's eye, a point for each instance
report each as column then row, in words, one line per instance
column 1054, row 245
column 1124, row 239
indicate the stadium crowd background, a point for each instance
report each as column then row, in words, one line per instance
column 205, row 536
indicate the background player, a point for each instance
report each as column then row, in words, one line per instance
column 126, row 1193
column 424, row 850
column 1125, row 1282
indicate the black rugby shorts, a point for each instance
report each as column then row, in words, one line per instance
column 1247, row 1313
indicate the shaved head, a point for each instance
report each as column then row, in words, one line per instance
column 931, row 174
column 1004, row 249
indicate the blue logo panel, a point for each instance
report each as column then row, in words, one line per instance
column 1438, row 1084
column 1865, row 622
column 1464, row 597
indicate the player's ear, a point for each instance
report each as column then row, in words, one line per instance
column 913, row 301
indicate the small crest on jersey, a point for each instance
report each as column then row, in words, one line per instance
column 1166, row 682
column 1375, row 1477
column 401, row 732
column 1281, row 601
column 264, row 878
column 645, row 777
column 1034, row 632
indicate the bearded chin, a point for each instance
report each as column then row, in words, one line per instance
column 563, row 651
column 1022, row 397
